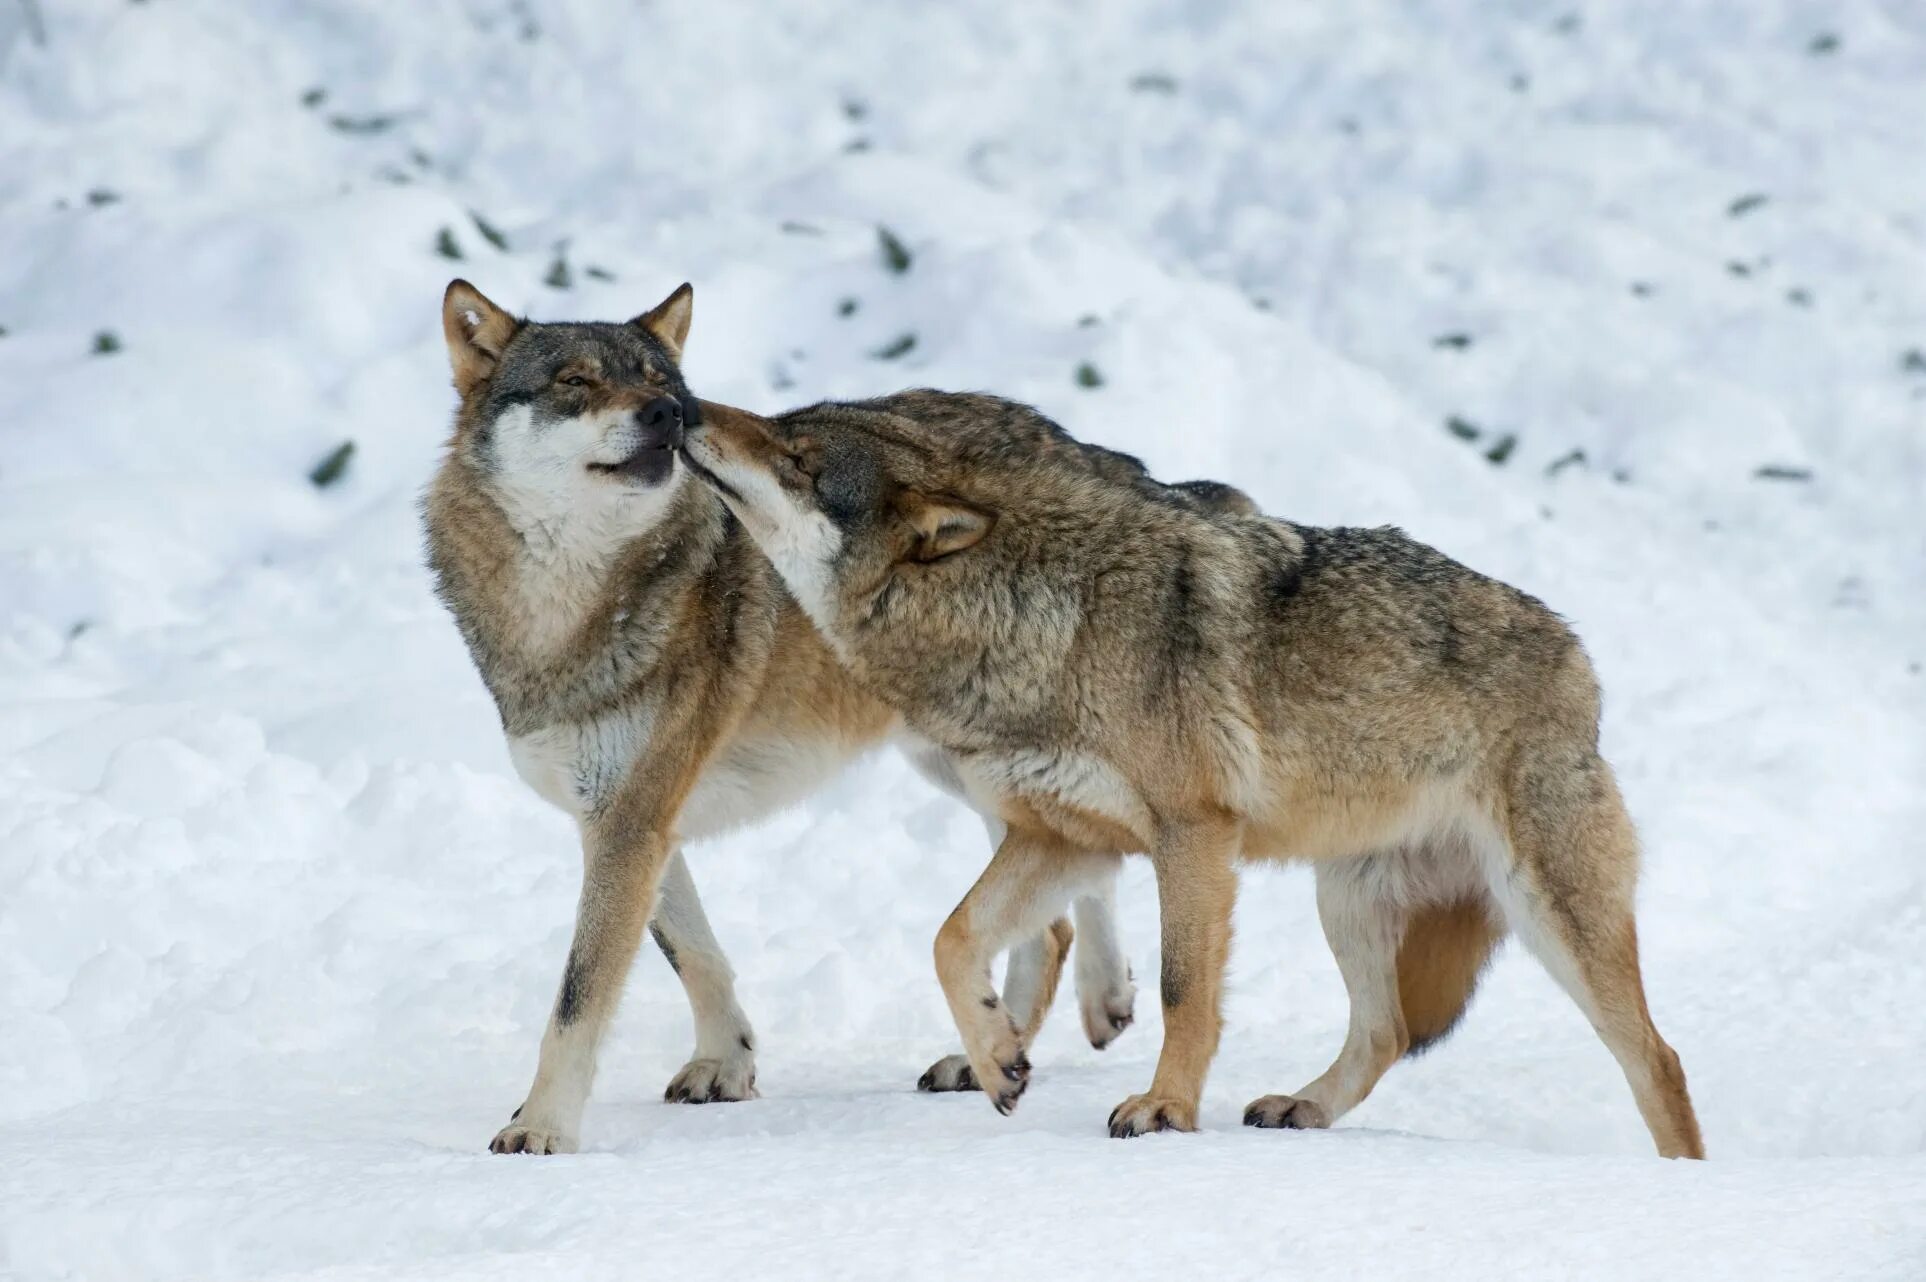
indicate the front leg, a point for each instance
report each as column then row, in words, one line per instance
column 1196, row 889
column 1020, row 892
column 624, row 861
column 1029, row 986
column 1106, row 990
column 723, row 1067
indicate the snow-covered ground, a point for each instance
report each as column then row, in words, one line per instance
column 279, row 929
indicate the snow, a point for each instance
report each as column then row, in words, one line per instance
column 279, row 928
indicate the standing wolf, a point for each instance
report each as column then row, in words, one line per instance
column 654, row 680
column 1106, row 671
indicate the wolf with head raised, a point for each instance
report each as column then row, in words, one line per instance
column 1107, row 670
column 654, row 680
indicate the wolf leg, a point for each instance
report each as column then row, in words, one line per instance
column 1106, row 990
column 1196, row 889
column 1363, row 928
column 724, row 1064
column 1030, row 982
column 1025, row 885
column 618, row 887
column 1029, row 985
column 1568, row 895
column 1035, row 966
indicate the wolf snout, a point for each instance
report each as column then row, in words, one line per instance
column 660, row 422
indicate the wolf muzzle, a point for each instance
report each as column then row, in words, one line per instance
column 661, row 423
column 658, row 432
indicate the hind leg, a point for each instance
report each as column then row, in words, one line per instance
column 1363, row 928
column 1568, row 897
column 723, row 1067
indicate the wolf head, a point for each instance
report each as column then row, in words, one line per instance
column 839, row 498
column 570, row 422
column 899, row 493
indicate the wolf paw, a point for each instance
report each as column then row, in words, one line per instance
column 1287, row 1112
column 1108, row 1009
column 951, row 1073
column 1005, row 1075
column 1142, row 1114
column 1106, row 1015
column 535, row 1140
column 1011, row 1080
column 997, row 1061
column 713, row 1081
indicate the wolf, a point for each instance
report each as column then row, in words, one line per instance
column 655, row 681
column 1106, row 670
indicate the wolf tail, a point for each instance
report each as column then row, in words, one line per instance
column 1446, row 948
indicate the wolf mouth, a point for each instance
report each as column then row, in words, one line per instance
column 650, row 464
column 708, row 476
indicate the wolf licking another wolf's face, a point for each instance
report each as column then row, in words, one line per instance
column 1098, row 663
column 1106, row 667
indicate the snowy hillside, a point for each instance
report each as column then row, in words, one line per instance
column 1622, row 302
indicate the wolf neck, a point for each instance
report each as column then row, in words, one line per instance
column 563, row 616
column 568, row 557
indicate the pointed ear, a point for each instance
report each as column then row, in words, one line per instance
column 943, row 525
column 668, row 320
column 477, row 332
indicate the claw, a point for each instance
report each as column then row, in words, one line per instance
column 1129, row 1119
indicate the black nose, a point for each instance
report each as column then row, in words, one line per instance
column 661, row 421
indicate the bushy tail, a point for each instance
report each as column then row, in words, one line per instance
column 1446, row 948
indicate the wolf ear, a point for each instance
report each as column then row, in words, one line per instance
column 668, row 320
column 477, row 332
column 943, row 525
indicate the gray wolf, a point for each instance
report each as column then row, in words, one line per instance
column 1106, row 669
column 654, row 681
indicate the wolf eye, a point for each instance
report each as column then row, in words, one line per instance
column 575, row 380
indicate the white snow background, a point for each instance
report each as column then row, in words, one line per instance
column 279, row 928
